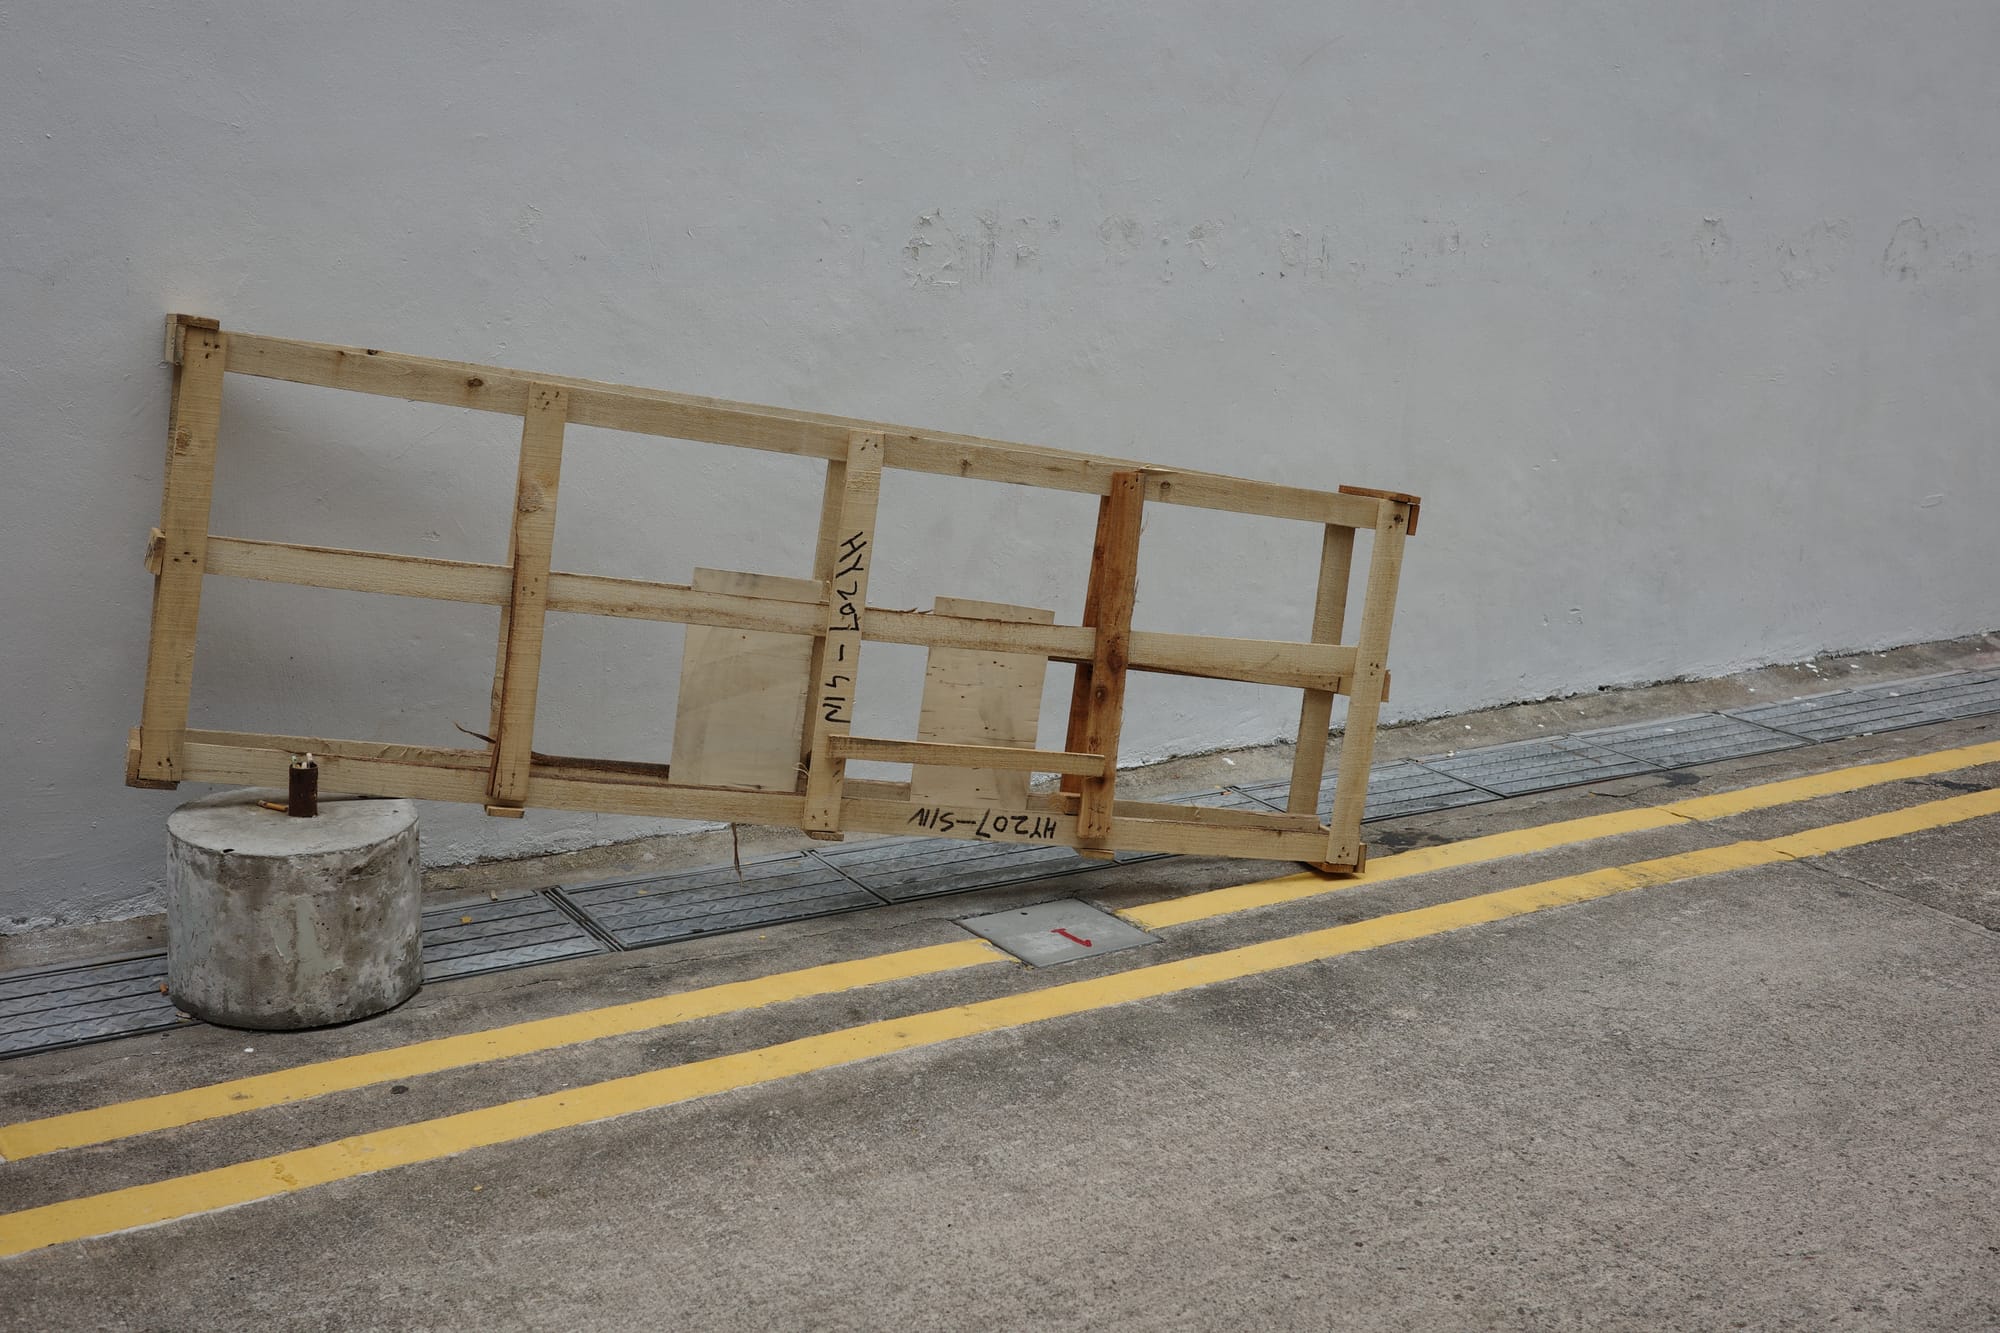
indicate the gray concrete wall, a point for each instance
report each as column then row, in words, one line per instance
column 1681, row 317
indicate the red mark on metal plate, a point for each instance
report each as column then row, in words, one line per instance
column 1071, row 938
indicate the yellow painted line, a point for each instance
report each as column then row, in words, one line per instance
column 1451, row 856
column 30, row 1138
column 430, row 1140
column 1544, row 837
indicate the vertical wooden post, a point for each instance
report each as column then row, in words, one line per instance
column 520, row 670
column 1336, row 561
column 184, row 506
column 1114, row 577
column 832, row 497
column 833, row 689
column 1344, row 848
column 1079, row 690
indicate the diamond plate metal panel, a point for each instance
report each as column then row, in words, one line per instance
column 710, row 901
column 1395, row 788
column 54, row 1007
column 904, row 869
column 492, row 936
column 1698, row 738
column 1542, row 764
column 1890, row 706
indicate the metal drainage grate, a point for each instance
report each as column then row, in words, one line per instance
column 1538, row 765
column 659, row 908
column 902, row 869
column 68, row 1006
column 1699, row 738
column 493, row 936
column 1395, row 788
column 1891, row 706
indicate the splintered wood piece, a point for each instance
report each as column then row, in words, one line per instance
column 1364, row 699
column 980, row 698
column 1114, row 572
column 1336, row 562
column 743, row 692
column 840, row 658
column 519, row 677
column 184, row 507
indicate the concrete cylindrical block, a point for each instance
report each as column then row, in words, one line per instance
column 278, row 923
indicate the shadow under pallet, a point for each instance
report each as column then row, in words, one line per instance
column 48, row 1008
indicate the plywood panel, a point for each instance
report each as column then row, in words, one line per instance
column 979, row 698
column 743, row 692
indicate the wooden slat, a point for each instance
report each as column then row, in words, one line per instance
column 1403, row 497
column 1079, row 690
column 1115, row 571
column 1254, row 661
column 778, row 430
column 833, row 493
column 1344, row 847
column 190, row 482
column 1336, row 562
column 984, row 824
column 362, row 571
column 741, row 707
column 965, row 756
column 520, row 672
column 840, row 661
column 973, row 697
column 424, row 773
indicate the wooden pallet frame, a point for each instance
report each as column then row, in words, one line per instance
column 509, row 776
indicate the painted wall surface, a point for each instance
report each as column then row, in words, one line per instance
column 1683, row 318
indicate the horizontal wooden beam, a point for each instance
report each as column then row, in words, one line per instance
column 430, row 773
column 1253, row 661
column 967, row 756
column 776, row 430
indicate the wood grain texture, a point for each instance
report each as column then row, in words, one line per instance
column 1079, row 689
column 840, row 659
column 1010, row 759
column 741, row 708
column 977, row 698
column 184, row 509
column 1364, row 702
column 1256, row 661
column 518, row 680
column 1336, row 565
column 1115, row 572
column 778, row 430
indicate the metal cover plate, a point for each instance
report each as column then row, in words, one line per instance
column 68, row 1006
column 908, row 868
column 1058, row 932
column 1520, row 767
column 660, row 908
column 1698, row 738
column 1890, row 706
column 491, row 936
